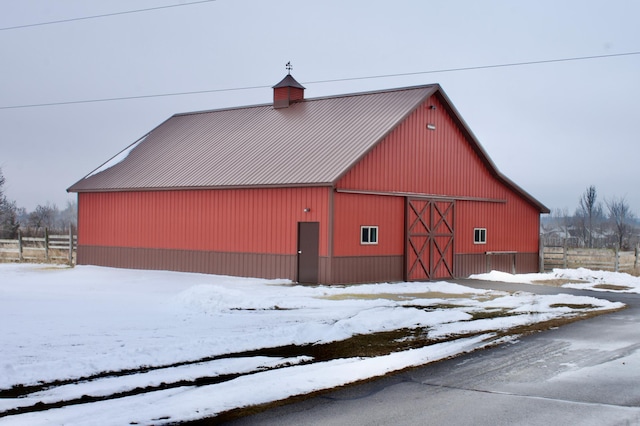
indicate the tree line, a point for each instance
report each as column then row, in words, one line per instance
column 609, row 223
column 14, row 219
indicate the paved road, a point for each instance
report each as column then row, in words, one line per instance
column 585, row 373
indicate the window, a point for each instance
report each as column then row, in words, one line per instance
column 480, row 236
column 368, row 235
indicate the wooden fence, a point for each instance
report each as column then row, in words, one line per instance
column 597, row 259
column 50, row 248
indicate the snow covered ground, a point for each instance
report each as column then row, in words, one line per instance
column 98, row 336
column 581, row 278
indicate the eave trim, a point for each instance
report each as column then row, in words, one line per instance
column 203, row 188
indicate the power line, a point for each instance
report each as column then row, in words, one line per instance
column 125, row 98
column 198, row 92
column 62, row 21
column 480, row 67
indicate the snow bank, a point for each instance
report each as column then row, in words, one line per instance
column 592, row 280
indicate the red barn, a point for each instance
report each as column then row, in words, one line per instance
column 388, row 185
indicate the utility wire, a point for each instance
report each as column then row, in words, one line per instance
column 479, row 67
column 62, row 21
column 124, row 98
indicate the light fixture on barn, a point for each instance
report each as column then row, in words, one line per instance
column 307, row 209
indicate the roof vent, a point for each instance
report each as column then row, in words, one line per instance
column 287, row 91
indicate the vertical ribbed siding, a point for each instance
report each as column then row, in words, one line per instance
column 234, row 220
column 413, row 158
column 354, row 210
column 288, row 94
column 511, row 226
column 367, row 269
column 239, row 264
column 467, row 264
column 480, row 263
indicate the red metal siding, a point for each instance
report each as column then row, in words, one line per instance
column 234, row 220
column 288, row 93
column 413, row 158
column 511, row 226
column 354, row 210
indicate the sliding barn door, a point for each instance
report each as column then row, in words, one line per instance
column 429, row 245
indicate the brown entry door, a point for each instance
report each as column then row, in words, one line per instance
column 308, row 239
column 429, row 252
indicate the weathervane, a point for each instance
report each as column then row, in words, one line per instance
column 289, row 67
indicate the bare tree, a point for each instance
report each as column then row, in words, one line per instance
column 589, row 212
column 621, row 219
column 43, row 217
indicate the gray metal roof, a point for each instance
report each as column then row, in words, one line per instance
column 313, row 142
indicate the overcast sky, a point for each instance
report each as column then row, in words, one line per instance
column 553, row 128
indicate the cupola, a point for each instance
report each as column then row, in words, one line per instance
column 287, row 91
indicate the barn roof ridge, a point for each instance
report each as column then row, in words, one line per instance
column 317, row 98
column 433, row 88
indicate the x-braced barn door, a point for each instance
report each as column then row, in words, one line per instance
column 429, row 252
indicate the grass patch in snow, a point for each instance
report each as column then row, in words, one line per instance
column 397, row 297
column 572, row 306
column 558, row 282
column 612, row 287
column 491, row 313
column 371, row 345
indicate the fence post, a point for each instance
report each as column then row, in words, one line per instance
column 564, row 254
column 617, row 259
column 541, row 256
column 46, row 244
column 70, row 245
column 20, row 257
column 635, row 261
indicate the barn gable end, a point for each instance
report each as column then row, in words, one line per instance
column 426, row 154
column 431, row 157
